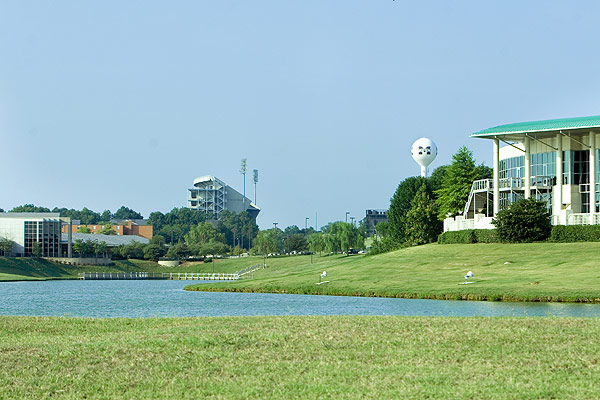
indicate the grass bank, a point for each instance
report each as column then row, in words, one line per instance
column 509, row 272
column 349, row 357
column 38, row 269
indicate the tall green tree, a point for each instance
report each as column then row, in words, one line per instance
column 127, row 213
column 105, row 216
column 179, row 251
column 30, row 208
column 526, row 220
column 6, row 246
column 400, row 205
column 422, row 224
column 108, row 229
column 175, row 224
column 456, row 184
column 239, row 228
column 295, row 242
column 316, row 242
column 341, row 236
column 267, row 241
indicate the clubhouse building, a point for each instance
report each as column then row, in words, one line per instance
column 556, row 161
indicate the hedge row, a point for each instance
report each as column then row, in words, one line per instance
column 560, row 233
column 575, row 233
column 469, row 236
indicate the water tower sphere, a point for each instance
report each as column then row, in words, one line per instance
column 424, row 152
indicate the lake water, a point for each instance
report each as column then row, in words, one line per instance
column 108, row 299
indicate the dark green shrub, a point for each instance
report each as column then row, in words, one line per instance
column 457, row 237
column 525, row 220
column 575, row 233
column 486, row 236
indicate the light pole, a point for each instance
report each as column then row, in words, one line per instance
column 347, row 212
column 255, row 182
column 243, row 170
column 352, row 220
column 275, row 225
column 306, row 223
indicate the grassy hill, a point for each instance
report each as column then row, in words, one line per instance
column 517, row 272
column 527, row 272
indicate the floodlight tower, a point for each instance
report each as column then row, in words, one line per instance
column 255, row 182
column 243, row 170
column 424, row 151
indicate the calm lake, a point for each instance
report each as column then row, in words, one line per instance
column 108, row 299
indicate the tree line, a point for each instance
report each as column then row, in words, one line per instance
column 419, row 205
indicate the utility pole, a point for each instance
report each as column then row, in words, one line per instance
column 255, row 182
column 243, row 170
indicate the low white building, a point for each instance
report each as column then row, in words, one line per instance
column 556, row 161
column 26, row 229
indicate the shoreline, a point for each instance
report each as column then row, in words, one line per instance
column 416, row 296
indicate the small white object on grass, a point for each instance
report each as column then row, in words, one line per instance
column 469, row 275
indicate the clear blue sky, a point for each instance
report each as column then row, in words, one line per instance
column 113, row 103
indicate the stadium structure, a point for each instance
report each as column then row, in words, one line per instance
column 556, row 161
column 213, row 196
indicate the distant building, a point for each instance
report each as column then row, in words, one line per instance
column 25, row 229
column 111, row 241
column 372, row 218
column 137, row 227
column 213, row 196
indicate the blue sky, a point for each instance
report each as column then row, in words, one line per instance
column 113, row 103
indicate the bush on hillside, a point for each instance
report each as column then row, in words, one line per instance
column 486, row 236
column 575, row 233
column 525, row 220
column 465, row 236
column 469, row 236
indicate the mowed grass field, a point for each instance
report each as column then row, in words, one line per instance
column 510, row 272
column 339, row 357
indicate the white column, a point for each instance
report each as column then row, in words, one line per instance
column 496, row 176
column 592, row 172
column 527, row 183
column 559, row 173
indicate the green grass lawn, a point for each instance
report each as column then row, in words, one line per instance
column 529, row 272
column 341, row 357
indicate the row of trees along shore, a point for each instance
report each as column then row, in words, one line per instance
column 416, row 211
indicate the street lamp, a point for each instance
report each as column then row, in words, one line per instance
column 243, row 170
column 306, row 223
column 275, row 224
column 347, row 212
column 352, row 220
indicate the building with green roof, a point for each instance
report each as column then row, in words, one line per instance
column 553, row 160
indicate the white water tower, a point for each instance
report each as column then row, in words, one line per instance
column 423, row 151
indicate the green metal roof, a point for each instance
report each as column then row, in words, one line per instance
column 542, row 126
